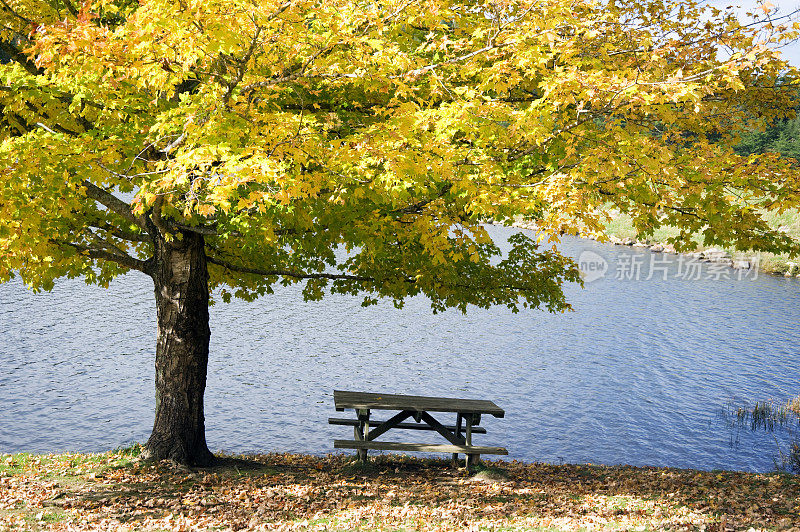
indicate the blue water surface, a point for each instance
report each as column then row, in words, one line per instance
column 640, row 373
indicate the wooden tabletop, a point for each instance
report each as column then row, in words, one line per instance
column 387, row 401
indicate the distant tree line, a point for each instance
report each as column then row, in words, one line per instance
column 782, row 136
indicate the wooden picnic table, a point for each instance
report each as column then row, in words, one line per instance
column 365, row 431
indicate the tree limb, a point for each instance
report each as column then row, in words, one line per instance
column 416, row 208
column 298, row 70
column 11, row 10
column 155, row 216
column 102, row 254
column 460, row 59
column 70, row 7
column 17, row 55
column 120, row 233
column 64, row 97
column 112, row 203
column 242, row 66
column 288, row 273
column 199, row 229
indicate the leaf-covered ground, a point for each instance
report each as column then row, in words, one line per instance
column 115, row 491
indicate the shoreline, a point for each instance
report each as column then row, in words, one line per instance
column 737, row 260
column 346, row 455
column 117, row 491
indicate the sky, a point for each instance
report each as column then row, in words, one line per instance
column 790, row 52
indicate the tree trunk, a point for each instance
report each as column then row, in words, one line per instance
column 180, row 275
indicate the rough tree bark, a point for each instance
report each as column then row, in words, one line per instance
column 180, row 275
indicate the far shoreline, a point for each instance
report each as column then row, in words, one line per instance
column 778, row 266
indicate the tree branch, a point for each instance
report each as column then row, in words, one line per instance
column 242, row 66
column 288, row 273
column 70, row 7
column 155, row 216
column 21, row 123
column 120, row 233
column 64, row 97
column 206, row 230
column 21, row 58
column 112, row 203
column 298, row 70
column 101, row 254
column 416, row 208
column 11, row 10
column 460, row 59
column 199, row 229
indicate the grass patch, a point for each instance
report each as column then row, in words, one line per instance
column 621, row 226
column 489, row 472
column 357, row 467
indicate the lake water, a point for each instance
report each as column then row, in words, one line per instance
column 639, row 374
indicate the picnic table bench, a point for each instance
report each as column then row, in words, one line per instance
column 468, row 417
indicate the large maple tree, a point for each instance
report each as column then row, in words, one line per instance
column 223, row 146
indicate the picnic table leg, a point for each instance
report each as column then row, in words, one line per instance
column 361, row 431
column 472, row 459
column 459, row 420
